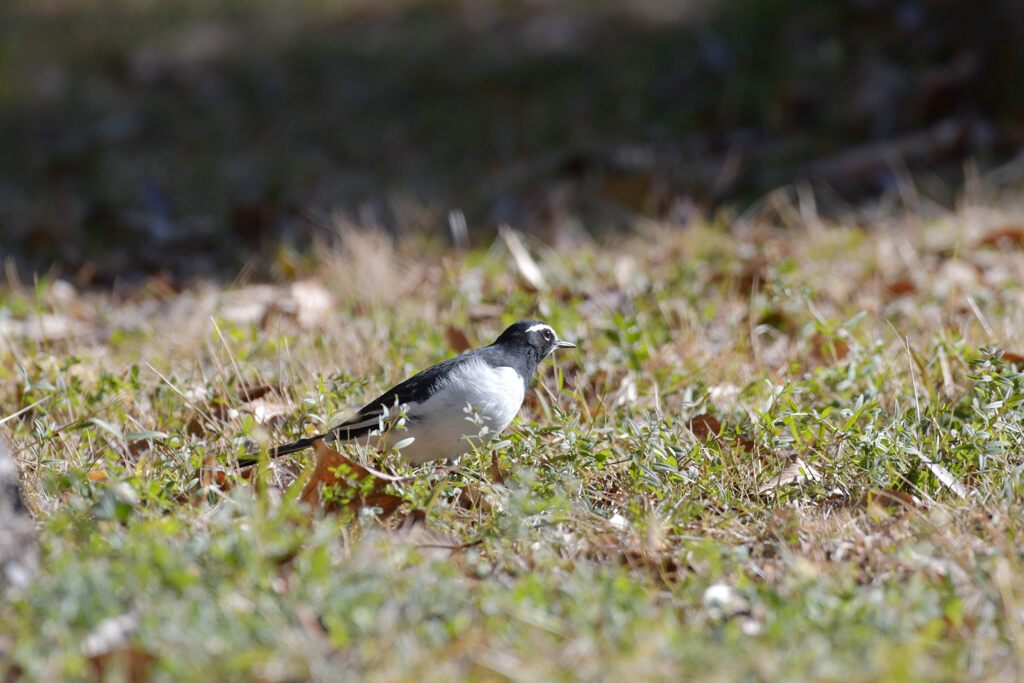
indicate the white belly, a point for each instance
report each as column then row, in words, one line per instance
column 472, row 407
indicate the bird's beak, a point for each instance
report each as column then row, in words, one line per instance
column 564, row 345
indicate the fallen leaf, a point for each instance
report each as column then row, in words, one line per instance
column 471, row 498
column 456, row 339
column 332, row 469
column 1011, row 357
column 305, row 302
column 97, row 475
column 660, row 565
column 829, row 349
column 496, row 476
column 618, row 522
column 527, row 267
column 198, row 423
column 705, row 425
column 138, row 446
column 111, row 653
column 753, row 276
column 481, row 312
column 1009, row 235
column 796, row 473
column 627, row 393
column 413, row 531
column 312, row 300
column 266, row 412
column 901, row 287
column 944, row 476
column 253, row 401
column 387, row 503
column 889, row 500
column 253, row 392
column 211, row 475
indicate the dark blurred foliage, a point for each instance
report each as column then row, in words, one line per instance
column 192, row 137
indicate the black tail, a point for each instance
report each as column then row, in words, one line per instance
column 284, row 449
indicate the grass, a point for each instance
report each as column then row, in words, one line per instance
column 785, row 450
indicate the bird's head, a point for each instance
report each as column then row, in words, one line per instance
column 532, row 335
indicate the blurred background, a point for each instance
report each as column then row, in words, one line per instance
column 201, row 138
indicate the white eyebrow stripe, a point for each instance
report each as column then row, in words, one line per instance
column 539, row 326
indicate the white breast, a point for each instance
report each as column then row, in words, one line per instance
column 443, row 426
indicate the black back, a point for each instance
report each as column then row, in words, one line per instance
column 516, row 347
column 415, row 389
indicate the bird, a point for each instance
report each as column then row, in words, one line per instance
column 436, row 413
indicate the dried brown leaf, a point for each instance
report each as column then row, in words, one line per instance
column 413, row 530
column 1008, row 235
column 889, row 500
column 212, row 475
column 661, row 566
column 131, row 664
column 255, row 391
column 705, row 425
column 901, row 287
column 828, row 349
column 387, row 503
column 754, row 275
column 199, row 422
column 456, row 339
column 496, row 476
column 471, row 498
column 335, row 470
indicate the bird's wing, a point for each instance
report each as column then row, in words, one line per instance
column 413, row 390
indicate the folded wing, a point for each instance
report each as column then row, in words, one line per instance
column 380, row 413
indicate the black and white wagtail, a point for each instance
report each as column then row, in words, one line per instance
column 437, row 412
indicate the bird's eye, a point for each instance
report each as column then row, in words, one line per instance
column 548, row 335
